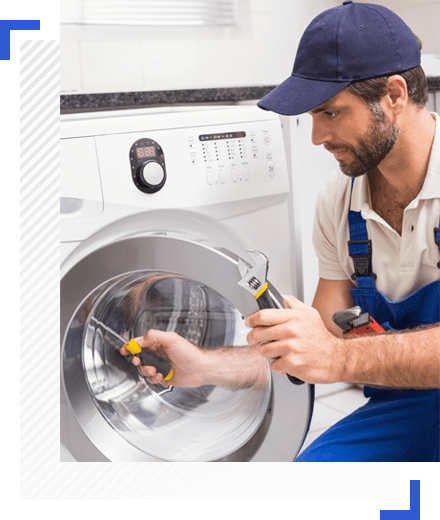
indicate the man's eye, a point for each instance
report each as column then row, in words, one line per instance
column 331, row 115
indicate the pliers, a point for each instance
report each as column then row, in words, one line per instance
column 254, row 280
column 352, row 321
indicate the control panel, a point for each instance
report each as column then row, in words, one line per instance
column 215, row 156
column 182, row 160
column 147, row 165
column 229, row 156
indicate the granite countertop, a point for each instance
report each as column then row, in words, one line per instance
column 116, row 100
column 433, row 83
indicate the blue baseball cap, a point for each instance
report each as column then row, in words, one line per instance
column 352, row 42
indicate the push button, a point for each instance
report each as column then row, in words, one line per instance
column 210, row 177
column 270, row 168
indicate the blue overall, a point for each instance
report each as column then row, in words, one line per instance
column 394, row 425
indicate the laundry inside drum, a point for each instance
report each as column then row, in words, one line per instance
column 203, row 423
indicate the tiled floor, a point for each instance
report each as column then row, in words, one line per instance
column 331, row 408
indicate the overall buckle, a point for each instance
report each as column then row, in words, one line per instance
column 437, row 240
column 362, row 262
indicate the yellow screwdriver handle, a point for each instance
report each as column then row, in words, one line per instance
column 150, row 359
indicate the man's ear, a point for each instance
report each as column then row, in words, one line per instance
column 396, row 97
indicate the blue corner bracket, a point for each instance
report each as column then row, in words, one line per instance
column 413, row 513
column 6, row 26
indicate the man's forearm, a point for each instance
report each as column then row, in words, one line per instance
column 408, row 359
column 234, row 367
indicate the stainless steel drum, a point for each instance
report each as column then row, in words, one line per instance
column 168, row 283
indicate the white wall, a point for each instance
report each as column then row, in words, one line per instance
column 423, row 16
column 260, row 51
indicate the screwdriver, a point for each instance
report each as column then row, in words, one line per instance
column 150, row 359
column 147, row 358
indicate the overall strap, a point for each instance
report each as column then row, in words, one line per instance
column 437, row 239
column 360, row 249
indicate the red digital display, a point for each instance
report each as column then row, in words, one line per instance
column 145, row 152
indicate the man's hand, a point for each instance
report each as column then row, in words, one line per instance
column 186, row 359
column 298, row 342
column 232, row 367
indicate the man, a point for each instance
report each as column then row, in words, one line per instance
column 382, row 136
column 376, row 235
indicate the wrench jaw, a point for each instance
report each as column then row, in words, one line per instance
column 254, row 277
column 254, row 280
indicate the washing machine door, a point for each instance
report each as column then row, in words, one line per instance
column 111, row 413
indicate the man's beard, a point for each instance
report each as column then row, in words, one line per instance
column 372, row 149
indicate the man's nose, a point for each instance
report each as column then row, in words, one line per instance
column 321, row 133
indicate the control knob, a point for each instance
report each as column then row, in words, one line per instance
column 151, row 176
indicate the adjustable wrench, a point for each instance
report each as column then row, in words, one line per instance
column 254, row 280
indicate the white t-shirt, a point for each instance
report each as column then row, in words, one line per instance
column 402, row 264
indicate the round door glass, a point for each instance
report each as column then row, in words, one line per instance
column 204, row 423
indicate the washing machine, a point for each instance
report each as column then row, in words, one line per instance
column 158, row 209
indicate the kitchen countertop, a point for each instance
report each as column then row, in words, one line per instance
column 434, row 83
column 116, row 100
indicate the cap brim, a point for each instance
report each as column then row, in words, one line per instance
column 298, row 95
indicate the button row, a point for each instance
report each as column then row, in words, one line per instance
column 220, row 176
